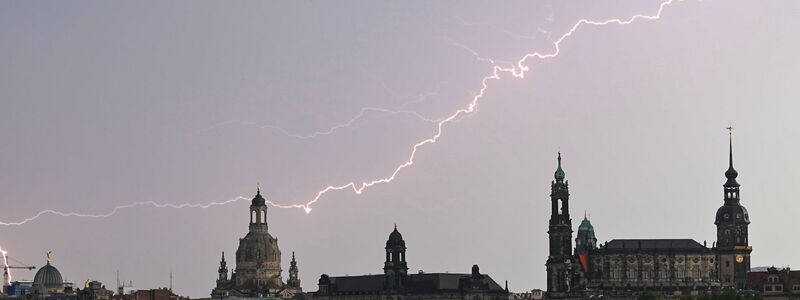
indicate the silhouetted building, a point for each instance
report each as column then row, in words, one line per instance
column 258, row 262
column 624, row 267
column 154, row 294
column 396, row 283
column 94, row 290
column 774, row 283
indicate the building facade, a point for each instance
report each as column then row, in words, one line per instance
column 395, row 282
column 258, row 262
column 623, row 267
column 774, row 283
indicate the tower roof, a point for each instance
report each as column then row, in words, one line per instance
column 395, row 239
column 731, row 173
column 258, row 200
column 559, row 175
column 586, row 225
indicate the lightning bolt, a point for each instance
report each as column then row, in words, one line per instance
column 6, row 269
column 517, row 70
column 361, row 113
column 330, row 130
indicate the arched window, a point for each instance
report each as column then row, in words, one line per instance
column 264, row 216
column 252, row 216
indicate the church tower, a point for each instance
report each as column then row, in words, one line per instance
column 294, row 281
column 223, row 271
column 732, row 219
column 395, row 269
column 559, row 262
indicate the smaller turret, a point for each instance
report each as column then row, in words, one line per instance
column 586, row 239
column 223, row 270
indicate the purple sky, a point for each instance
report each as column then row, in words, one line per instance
column 108, row 103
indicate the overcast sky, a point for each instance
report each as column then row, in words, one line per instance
column 107, row 103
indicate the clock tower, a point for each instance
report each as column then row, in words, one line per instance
column 732, row 220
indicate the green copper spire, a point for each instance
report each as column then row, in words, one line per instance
column 559, row 172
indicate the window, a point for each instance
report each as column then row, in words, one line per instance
column 796, row 287
column 632, row 274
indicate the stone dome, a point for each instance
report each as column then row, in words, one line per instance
column 48, row 277
column 258, row 247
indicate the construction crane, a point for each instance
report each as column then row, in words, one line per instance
column 7, row 276
column 24, row 265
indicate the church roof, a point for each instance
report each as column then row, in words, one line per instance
column 586, row 225
column 258, row 200
column 559, row 174
column 654, row 244
column 395, row 239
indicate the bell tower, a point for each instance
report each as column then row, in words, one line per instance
column 732, row 220
column 258, row 213
column 559, row 262
column 395, row 269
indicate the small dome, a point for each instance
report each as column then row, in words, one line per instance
column 732, row 214
column 559, row 175
column 586, row 225
column 258, row 200
column 48, row 277
column 395, row 239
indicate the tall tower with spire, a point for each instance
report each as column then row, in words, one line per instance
column 294, row 281
column 223, row 271
column 732, row 221
column 560, row 261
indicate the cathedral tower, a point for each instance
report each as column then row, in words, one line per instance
column 294, row 281
column 223, row 271
column 732, row 220
column 395, row 269
column 559, row 262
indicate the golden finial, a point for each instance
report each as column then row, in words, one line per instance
column 258, row 187
column 49, row 256
column 86, row 284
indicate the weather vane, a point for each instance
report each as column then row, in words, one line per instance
column 730, row 130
